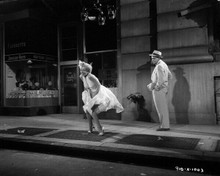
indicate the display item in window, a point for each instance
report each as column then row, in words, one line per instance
column 37, row 85
column 23, row 85
column 50, row 86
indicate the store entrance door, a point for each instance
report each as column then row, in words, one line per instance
column 69, row 89
column 217, row 98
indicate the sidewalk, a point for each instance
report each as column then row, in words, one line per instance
column 134, row 138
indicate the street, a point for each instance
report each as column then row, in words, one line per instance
column 21, row 163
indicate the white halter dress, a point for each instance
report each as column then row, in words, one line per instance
column 102, row 97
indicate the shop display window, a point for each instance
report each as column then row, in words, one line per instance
column 105, row 67
column 31, row 83
column 101, row 50
column 68, row 43
column 30, row 63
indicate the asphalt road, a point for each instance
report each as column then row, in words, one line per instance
column 22, row 163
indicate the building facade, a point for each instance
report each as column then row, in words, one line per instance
column 41, row 44
column 44, row 46
column 187, row 34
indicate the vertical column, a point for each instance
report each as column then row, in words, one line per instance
column 135, row 39
column 153, row 24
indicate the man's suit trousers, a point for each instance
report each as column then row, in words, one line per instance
column 160, row 102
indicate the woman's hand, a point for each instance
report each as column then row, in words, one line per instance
column 151, row 86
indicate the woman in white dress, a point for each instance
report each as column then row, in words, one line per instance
column 96, row 97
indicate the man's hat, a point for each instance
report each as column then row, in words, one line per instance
column 156, row 53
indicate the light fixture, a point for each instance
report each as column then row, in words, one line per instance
column 111, row 12
column 101, row 18
column 98, row 12
column 29, row 61
column 84, row 15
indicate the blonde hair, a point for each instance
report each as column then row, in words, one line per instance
column 87, row 67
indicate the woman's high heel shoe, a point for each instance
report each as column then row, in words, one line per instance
column 91, row 131
column 102, row 132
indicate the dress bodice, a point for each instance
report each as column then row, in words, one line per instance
column 91, row 82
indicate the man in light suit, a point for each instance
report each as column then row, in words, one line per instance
column 159, row 87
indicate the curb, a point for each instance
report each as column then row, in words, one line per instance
column 208, row 162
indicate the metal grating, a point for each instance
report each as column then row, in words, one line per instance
column 26, row 131
column 160, row 141
column 80, row 135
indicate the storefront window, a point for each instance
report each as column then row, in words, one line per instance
column 216, row 45
column 101, row 50
column 99, row 38
column 1, row 66
column 30, row 63
column 104, row 66
column 28, row 82
column 1, row 93
column 68, row 43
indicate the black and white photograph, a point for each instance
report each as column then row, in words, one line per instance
column 109, row 87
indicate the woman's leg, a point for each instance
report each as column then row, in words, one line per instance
column 99, row 127
column 89, row 117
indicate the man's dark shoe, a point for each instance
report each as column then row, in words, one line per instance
column 163, row 129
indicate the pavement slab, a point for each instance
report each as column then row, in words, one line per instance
column 139, row 141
